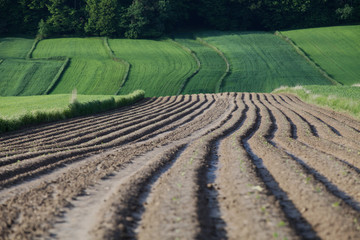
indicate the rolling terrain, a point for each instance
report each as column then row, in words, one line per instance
column 261, row 62
column 212, row 67
column 159, row 67
column 334, row 49
column 207, row 166
column 91, row 70
column 21, row 76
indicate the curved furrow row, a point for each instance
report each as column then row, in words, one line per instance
column 72, row 183
column 323, row 130
column 339, row 152
column 73, row 123
column 322, row 166
column 208, row 166
column 314, row 204
column 45, row 162
column 118, row 221
column 339, row 128
column 105, row 138
column 198, row 115
column 248, row 209
column 62, row 139
column 81, row 131
column 341, row 118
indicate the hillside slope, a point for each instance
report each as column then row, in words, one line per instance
column 334, row 49
column 261, row 62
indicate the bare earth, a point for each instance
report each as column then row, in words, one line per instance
column 207, row 166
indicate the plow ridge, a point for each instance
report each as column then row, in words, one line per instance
column 207, row 166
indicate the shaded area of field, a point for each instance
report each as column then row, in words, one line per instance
column 334, row 49
column 261, row 62
column 207, row 166
column 91, row 70
column 212, row 66
column 159, row 67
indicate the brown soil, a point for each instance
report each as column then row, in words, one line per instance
column 207, row 166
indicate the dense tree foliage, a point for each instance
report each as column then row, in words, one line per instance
column 152, row 18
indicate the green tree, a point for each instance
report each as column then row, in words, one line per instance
column 66, row 16
column 103, row 17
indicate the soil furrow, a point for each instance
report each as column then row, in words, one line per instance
column 98, row 139
column 312, row 205
column 80, row 178
column 83, row 134
column 207, row 166
column 248, row 209
column 181, row 202
column 340, row 117
column 47, row 138
column 256, row 133
column 44, row 163
column 193, row 118
column 65, row 124
column 136, row 191
column 322, row 166
column 342, row 129
column 344, row 154
column 324, row 131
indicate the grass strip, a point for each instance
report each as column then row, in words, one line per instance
column 116, row 59
column 221, row 54
column 32, row 49
column 74, row 109
column 307, row 58
column 197, row 60
column 344, row 99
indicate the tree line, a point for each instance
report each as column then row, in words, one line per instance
column 153, row 18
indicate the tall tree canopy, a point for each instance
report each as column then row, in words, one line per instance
column 152, row 18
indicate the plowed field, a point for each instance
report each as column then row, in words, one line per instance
column 208, row 166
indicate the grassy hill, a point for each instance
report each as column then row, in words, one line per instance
column 334, row 49
column 261, row 62
column 91, row 70
column 159, row 67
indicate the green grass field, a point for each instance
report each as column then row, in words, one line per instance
column 91, row 71
column 261, row 62
column 334, row 49
column 211, row 69
column 339, row 98
column 20, row 77
column 159, row 67
column 13, row 107
column 18, row 112
column 15, row 47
